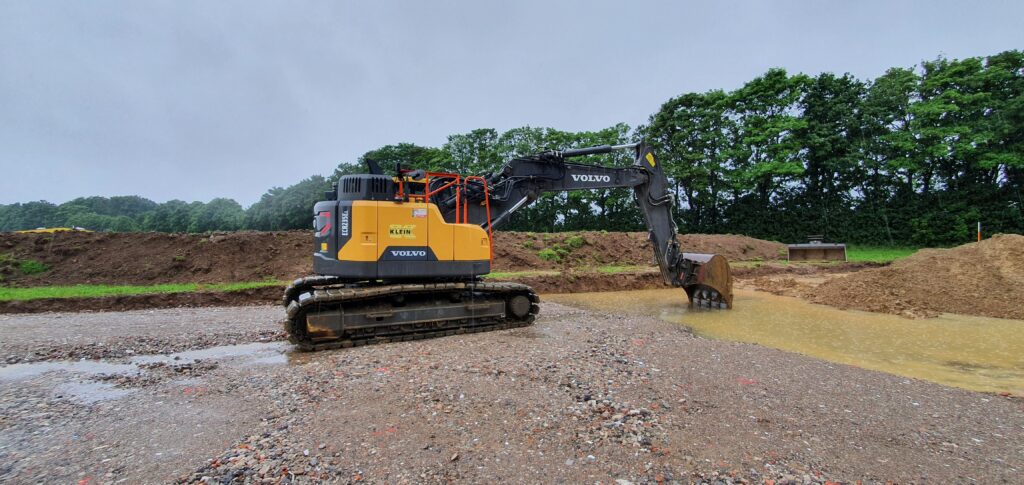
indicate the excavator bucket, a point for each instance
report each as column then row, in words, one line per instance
column 709, row 282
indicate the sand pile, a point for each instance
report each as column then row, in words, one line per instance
column 984, row 278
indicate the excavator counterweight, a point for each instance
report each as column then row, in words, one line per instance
column 401, row 257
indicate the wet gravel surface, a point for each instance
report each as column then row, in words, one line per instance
column 104, row 335
column 580, row 397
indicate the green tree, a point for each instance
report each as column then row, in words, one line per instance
column 171, row 216
column 690, row 135
column 287, row 208
column 30, row 215
column 217, row 215
column 830, row 139
column 763, row 150
column 407, row 154
column 886, row 158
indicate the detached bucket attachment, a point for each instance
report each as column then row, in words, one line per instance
column 708, row 280
column 817, row 250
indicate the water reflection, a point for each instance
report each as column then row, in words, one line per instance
column 86, row 380
column 978, row 353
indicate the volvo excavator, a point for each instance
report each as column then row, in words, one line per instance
column 401, row 256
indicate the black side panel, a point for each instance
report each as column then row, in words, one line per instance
column 344, row 224
column 399, row 269
column 366, row 187
column 421, row 262
column 432, row 269
column 325, row 227
column 349, row 269
column 408, row 253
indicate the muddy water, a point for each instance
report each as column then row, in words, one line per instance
column 977, row 353
column 81, row 380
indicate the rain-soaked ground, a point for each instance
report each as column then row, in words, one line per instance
column 83, row 380
column 582, row 396
column 977, row 353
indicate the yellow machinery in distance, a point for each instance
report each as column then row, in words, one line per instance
column 401, row 257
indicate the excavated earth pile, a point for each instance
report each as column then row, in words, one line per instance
column 151, row 258
column 984, row 278
column 517, row 251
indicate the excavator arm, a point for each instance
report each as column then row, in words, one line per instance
column 706, row 278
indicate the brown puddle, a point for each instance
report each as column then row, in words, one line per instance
column 82, row 380
column 256, row 352
column 977, row 353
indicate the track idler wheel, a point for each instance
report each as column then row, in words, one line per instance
column 519, row 306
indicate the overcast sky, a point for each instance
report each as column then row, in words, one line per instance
column 199, row 99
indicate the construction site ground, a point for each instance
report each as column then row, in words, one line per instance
column 580, row 397
column 215, row 394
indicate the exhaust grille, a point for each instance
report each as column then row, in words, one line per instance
column 379, row 185
column 352, row 185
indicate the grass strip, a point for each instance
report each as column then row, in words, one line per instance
column 877, row 254
column 615, row 269
column 94, row 291
column 518, row 274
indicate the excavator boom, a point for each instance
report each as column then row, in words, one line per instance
column 705, row 277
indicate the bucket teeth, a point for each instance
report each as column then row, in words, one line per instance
column 710, row 304
column 706, row 298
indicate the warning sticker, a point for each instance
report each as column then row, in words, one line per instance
column 419, row 213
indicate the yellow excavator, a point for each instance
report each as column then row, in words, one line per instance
column 402, row 256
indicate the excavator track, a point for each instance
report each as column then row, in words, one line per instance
column 326, row 312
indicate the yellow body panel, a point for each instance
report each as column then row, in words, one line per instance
column 440, row 232
column 376, row 225
column 471, row 243
column 363, row 244
column 396, row 226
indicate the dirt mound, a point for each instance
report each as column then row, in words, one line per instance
column 527, row 250
column 984, row 278
column 590, row 282
column 148, row 258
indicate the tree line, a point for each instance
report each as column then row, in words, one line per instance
column 916, row 157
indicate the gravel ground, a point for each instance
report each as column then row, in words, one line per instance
column 580, row 397
column 104, row 335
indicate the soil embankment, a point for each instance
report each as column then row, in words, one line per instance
column 984, row 278
column 151, row 258
column 571, row 259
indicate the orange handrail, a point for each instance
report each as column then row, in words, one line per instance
column 456, row 181
column 487, row 206
column 462, row 210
